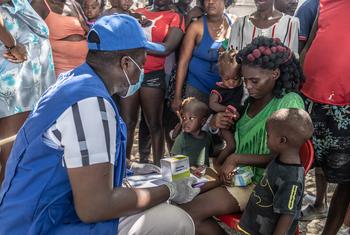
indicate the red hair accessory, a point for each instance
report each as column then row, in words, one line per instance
column 267, row 51
column 250, row 57
column 277, row 40
column 256, row 53
column 281, row 49
column 289, row 56
column 262, row 49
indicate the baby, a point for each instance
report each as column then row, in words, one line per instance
column 191, row 140
column 274, row 206
column 92, row 10
column 228, row 96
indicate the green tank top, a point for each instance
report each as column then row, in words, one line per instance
column 250, row 132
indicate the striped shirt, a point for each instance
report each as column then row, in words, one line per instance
column 86, row 132
column 243, row 31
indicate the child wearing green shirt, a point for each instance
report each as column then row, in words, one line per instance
column 191, row 140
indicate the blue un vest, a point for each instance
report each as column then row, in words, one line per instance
column 36, row 196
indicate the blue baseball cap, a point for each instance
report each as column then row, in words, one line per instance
column 118, row 32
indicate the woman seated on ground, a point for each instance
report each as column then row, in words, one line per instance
column 68, row 28
column 272, row 76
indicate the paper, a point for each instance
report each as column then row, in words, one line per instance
column 153, row 180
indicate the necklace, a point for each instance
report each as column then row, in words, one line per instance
column 218, row 29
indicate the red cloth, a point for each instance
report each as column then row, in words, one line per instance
column 162, row 22
column 327, row 63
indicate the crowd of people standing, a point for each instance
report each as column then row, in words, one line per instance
column 178, row 92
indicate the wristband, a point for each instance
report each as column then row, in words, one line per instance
column 171, row 188
column 214, row 131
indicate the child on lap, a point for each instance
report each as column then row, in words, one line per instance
column 275, row 204
column 191, row 140
column 228, row 96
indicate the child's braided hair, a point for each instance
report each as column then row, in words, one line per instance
column 270, row 53
column 227, row 57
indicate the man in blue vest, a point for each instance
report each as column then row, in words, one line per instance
column 65, row 171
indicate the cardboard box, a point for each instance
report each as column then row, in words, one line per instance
column 175, row 168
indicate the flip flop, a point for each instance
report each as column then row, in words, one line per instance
column 310, row 212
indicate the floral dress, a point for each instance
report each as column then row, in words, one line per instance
column 22, row 84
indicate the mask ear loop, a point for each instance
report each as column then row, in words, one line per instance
column 135, row 63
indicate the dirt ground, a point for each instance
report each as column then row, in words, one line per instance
column 306, row 228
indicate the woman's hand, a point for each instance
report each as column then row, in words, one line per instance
column 176, row 104
column 222, row 120
column 226, row 171
column 18, row 54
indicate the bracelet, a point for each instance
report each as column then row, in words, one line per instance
column 11, row 47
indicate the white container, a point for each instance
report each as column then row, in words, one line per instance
column 175, row 168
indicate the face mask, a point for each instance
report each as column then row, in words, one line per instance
column 133, row 88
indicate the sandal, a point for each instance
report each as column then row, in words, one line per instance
column 310, row 212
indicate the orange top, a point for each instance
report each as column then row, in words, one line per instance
column 66, row 54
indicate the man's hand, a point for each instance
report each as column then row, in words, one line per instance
column 181, row 191
column 144, row 168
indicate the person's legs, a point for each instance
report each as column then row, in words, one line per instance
column 144, row 140
column 9, row 126
column 215, row 202
column 129, row 110
column 318, row 209
column 332, row 148
column 159, row 220
column 169, row 121
column 337, row 209
column 321, row 188
column 152, row 102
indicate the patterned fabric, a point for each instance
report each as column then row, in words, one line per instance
column 286, row 29
column 85, row 132
column 22, row 84
column 279, row 192
column 331, row 139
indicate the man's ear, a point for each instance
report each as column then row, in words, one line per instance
column 125, row 62
column 276, row 74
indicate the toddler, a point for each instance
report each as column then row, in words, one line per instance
column 228, row 96
column 123, row 7
column 92, row 10
column 274, row 205
column 191, row 140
